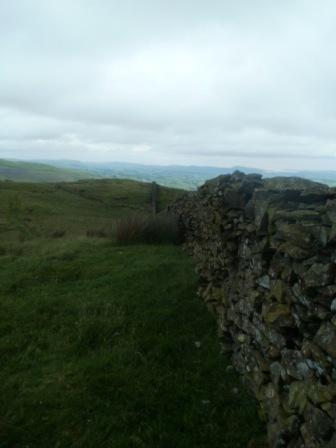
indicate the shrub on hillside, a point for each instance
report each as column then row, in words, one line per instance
column 162, row 229
column 96, row 233
column 58, row 234
column 130, row 229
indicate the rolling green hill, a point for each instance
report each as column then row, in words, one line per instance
column 103, row 345
column 39, row 172
column 185, row 177
column 29, row 211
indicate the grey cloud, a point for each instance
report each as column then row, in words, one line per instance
column 169, row 82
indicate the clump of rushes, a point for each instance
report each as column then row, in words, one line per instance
column 58, row 234
column 97, row 233
column 138, row 229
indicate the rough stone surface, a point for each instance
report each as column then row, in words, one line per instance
column 265, row 254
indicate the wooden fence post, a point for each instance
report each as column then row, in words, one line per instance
column 155, row 198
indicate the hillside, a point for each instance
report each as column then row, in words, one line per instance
column 39, row 210
column 174, row 176
column 187, row 177
column 39, row 172
column 105, row 345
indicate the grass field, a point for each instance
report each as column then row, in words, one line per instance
column 103, row 345
column 29, row 211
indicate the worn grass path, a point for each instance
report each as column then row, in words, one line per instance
column 97, row 349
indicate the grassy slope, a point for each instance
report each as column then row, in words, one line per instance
column 97, row 345
column 97, row 342
column 38, row 172
column 40, row 210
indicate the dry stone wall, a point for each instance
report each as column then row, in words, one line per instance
column 265, row 253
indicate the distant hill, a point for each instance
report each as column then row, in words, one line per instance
column 186, row 177
column 176, row 176
column 39, row 172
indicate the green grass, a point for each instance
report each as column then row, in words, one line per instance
column 29, row 211
column 97, row 341
column 97, row 346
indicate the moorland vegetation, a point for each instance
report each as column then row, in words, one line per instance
column 103, row 342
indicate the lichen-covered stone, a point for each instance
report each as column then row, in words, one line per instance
column 326, row 338
column 331, row 443
column 294, row 251
column 330, row 409
column 278, row 314
column 319, row 423
column 297, row 396
column 297, row 234
column 333, row 305
column 319, row 393
column 264, row 281
column 279, row 290
column 319, row 274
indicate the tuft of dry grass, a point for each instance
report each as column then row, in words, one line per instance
column 58, row 234
column 137, row 229
column 97, row 233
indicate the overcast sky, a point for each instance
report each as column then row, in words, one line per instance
column 180, row 81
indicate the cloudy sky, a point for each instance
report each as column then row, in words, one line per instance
column 213, row 82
